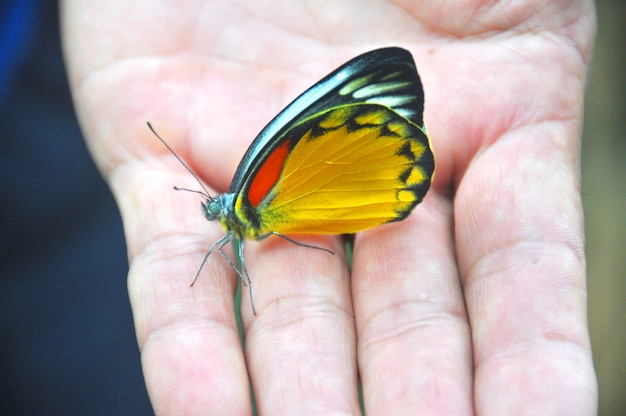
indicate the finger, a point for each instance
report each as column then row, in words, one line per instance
column 414, row 348
column 520, row 239
column 188, row 336
column 301, row 345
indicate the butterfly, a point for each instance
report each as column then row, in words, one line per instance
column 348, row 154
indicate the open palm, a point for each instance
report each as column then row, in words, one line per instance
column 475, row 303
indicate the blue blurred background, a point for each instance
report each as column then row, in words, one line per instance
column 67, row 344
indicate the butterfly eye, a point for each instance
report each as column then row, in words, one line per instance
column 212, row 209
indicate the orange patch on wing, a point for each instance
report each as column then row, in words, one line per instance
column 268, row 174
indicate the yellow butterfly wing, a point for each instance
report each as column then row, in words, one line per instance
column 348, row 154
column 344, row 170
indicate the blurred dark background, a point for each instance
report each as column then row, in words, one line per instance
column 67, row 344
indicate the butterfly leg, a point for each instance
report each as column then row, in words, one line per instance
column 232, row 264
column 219, row 244
column 291, row 240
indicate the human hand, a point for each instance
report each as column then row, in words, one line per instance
column 475, row 303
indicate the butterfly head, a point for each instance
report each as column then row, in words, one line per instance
column 217, row 208
column 221, row 209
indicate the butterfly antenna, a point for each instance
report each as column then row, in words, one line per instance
column 193, row 191
column 205, row 193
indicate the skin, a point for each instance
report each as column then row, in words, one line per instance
column 476, row 303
